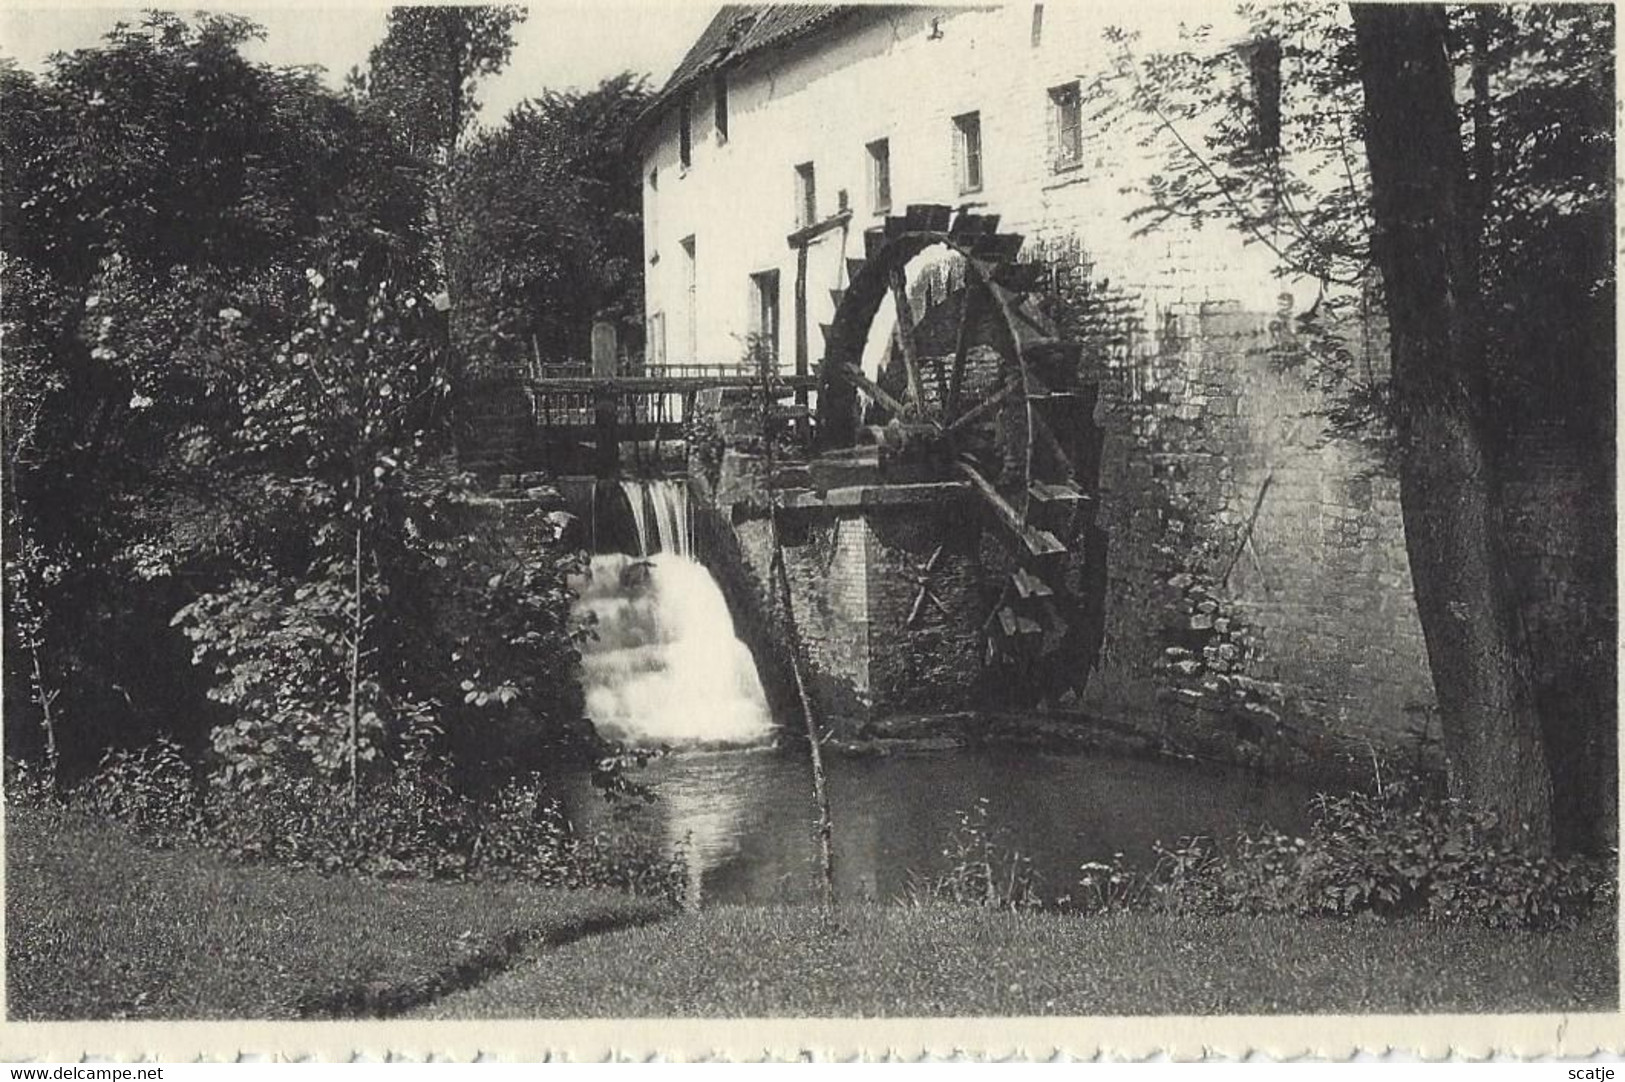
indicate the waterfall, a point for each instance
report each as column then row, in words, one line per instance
column 665, row 666
column 674, row 527
column 634, row 500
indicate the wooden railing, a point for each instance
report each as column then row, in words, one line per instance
column 573, row 369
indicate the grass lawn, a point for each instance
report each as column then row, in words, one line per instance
column 939, row 961
column 100, row 927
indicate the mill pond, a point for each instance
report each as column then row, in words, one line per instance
column 744, row 819
column 732, row 796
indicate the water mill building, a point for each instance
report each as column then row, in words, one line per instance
column 1247, row 573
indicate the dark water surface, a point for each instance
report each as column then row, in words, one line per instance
column 746, row 817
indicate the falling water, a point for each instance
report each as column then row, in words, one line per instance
column 666, row 667
column 674, row 530
column 640, row 520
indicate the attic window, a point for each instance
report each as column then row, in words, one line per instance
column 719, row 87
column 1263, row 57
column 685, row 134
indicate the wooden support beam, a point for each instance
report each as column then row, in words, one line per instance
column 905, row 338
column 1047, row 435
column 807, row 234
column 606, row 410
column 801, row 333
column 968, row 315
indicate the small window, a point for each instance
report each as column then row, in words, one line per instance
column 1264, row 67
column 764, row 314
column 1066, row 126
column 651, row 215
column 1038, row 25
column 685, row 135
column 691, row 320
column 719, row 88
column 968, row 152
column 880, row 176
column 806, row 195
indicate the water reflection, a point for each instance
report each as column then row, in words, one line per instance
column 746, row 818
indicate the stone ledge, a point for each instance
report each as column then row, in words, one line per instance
column 874, row 496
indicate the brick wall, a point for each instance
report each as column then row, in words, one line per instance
column 854, row 580
column 1259, row 600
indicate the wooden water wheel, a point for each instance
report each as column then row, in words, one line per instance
column 969, row 380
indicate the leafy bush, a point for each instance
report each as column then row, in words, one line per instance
column 983, row 870
column 407, row 824
column 28, row 784
column 522, row 835
column 1393, row 853
column 151, row 789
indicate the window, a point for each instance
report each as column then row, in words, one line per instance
column 806, row 195
column 1264, row 67
column 651, row 215
column 764, row 314
column 1038, row 25
column 685, row 135
column 968, row 152
column 880, row 176
column 1066, row 126
column 719, row 88
column 691, row 321
column 655, row 348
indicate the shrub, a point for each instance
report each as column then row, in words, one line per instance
column 150, row 789
column 524, row 835
column 1178, row 881
column 28, row 784
column 983, row 870
column 408, row 823
column 1393, row 853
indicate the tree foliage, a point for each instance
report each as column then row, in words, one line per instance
column 423, row 76
column 550, row 231
column 226, row 435
column 1538, row 128
column 1267, row 135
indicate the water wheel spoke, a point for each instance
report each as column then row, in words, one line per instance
column 1009, row 388
column 1052, row 443
column 875, row 392
column 905, row 337
column 1039, row 543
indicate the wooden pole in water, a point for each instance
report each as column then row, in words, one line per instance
column 826, row 826
column 605, row 407
column 815, row 743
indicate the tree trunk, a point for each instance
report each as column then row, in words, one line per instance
column 356, row 628
column 1423, row 244
column 45, row 696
